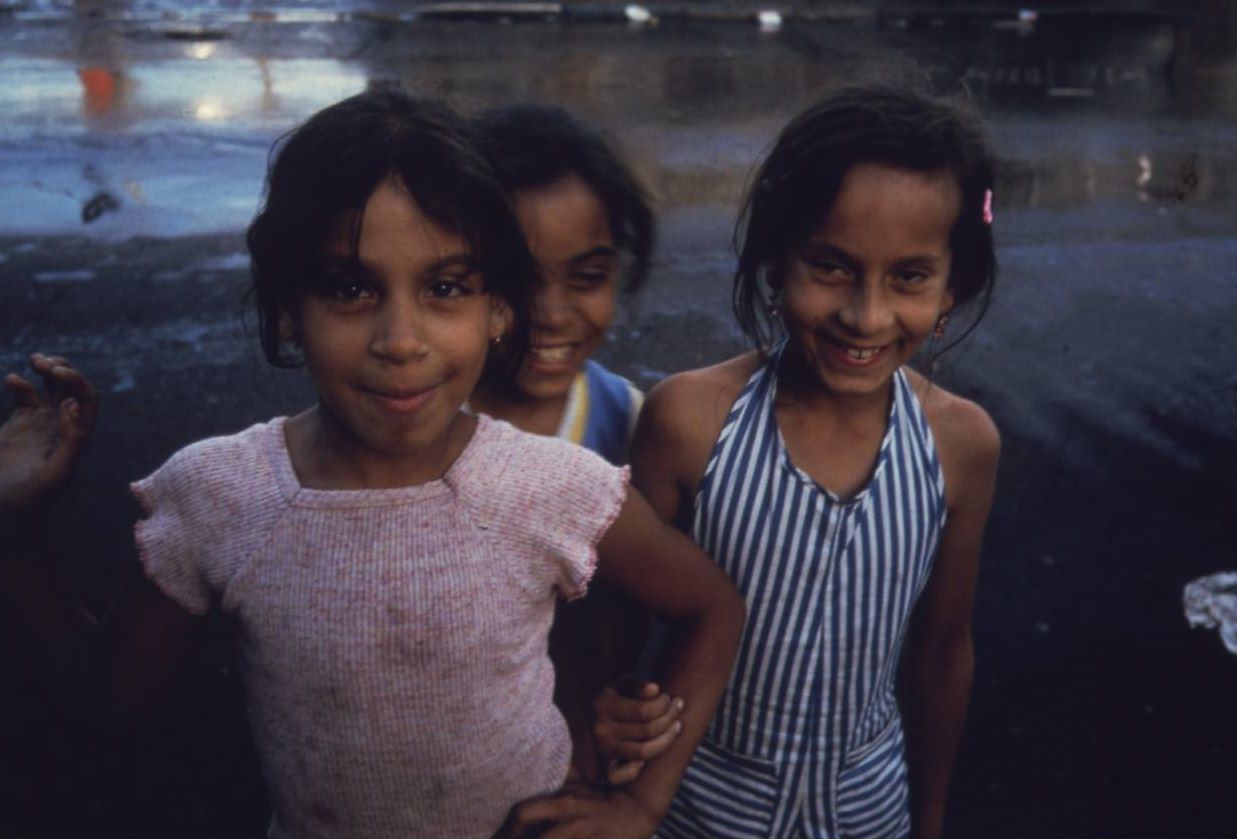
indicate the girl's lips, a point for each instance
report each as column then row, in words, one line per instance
column 403, row 401
column 555, row 359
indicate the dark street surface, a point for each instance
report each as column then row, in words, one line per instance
column 131, row 155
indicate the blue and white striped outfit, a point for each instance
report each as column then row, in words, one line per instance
column 807, row 741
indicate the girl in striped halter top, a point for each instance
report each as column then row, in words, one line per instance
column 845, row 494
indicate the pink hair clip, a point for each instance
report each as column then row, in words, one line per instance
column 988, row 207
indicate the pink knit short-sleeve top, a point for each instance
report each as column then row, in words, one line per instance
column 393, row 642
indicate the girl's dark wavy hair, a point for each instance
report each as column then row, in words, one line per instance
column 324, row 172
column 534, row 145
column 799, row 180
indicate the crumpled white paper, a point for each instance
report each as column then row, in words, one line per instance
column 1211, row 602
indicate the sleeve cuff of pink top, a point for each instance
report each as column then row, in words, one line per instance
column 616, row 496
column 154, row 553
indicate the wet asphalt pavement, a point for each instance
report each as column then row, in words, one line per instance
column 1105, row 359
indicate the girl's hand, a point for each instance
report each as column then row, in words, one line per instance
column 41, row 440
column 580, row 812
column 634, row 726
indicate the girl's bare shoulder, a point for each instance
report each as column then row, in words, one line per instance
column 966, row 438
column 696, row 401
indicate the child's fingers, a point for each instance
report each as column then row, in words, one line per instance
column 648, row 690
column 25, row 394
column 609, row 704
column 53, row 369
column 44, row 364
column 576, row 829
column 634, row 724
column 633, row 687
column 643, row 748
column 72, row 426
column 77, row 389
column 620, row 772
column 619, row 730
column 63, row 381
column 549, row 809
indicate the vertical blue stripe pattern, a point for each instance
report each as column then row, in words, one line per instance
column 807, row 742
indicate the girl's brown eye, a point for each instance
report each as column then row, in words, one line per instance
column 827, row 268
column 591, row 278
column 454, row 286
column 350, row 290
column 341, row 287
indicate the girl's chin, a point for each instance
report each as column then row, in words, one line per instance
column 535, row 371
column 535, row 385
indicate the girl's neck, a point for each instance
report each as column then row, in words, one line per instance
column 833, row 437
column 527, row 413
column 326, row 455
column 802, row 388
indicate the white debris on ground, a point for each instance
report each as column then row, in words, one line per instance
column 1211, row 602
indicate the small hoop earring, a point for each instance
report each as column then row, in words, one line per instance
column 938, row 331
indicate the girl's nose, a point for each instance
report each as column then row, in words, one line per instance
column 398, row 336
column 867, row 311
column 551, row 304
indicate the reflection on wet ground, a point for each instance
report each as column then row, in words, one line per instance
column 1105, row 358
column 135, row 108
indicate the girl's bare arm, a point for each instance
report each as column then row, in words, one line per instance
column 674, row 579
column 938, row 658
column 666, row 572
column 679, row 424
column 102, row 677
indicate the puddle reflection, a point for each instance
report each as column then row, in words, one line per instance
column 1129, row 110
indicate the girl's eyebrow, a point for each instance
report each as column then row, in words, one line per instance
column 340, row 262
column 926, row 260
column 592, row 253
column 334, row 259
column 451, row 260
column 816, row 248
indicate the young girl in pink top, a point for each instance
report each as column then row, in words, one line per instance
column 390, row 562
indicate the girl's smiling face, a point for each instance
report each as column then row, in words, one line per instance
column 395, row 336
column 568, row 233
column 867, row 287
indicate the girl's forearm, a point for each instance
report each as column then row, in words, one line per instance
column 938, row 690
column 56, row 640
column 697, row 667
column 101, row 678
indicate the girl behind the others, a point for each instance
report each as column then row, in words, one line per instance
column 591, row 232
column 390, row 561
column 845, row 494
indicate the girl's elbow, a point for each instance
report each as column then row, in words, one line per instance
column 950, row 652
column 737, row 608
column 940, row 644
column 723, row 610
column 721, row 599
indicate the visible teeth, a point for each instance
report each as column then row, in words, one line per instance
column 862, row 355
column 551, row 355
